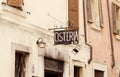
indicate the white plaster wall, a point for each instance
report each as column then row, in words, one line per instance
column 66, row 54
column 41, row 66
column 10, row 33
column 45, row 13
column 81, row 23
column 82, row 55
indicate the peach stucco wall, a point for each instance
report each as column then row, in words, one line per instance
column 100, row 41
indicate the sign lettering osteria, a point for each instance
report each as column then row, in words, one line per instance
column 66, row 37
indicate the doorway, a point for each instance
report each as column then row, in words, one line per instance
column 53, row 68
column 78, row 71
column 20, row 63
column 52, row 74
column 99, row 73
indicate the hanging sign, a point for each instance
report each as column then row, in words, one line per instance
column 66, row 37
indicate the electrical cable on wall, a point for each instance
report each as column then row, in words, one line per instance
column 55, row 19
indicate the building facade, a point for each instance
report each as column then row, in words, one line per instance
column 23, row 22
column 81, row 37
column 102, row 29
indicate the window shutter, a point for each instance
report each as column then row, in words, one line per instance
column 100, row 12
column 89, row 11
column 15, row 3
column 73, row 13
column 114, row 18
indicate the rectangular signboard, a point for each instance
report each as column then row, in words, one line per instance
column 66, row 37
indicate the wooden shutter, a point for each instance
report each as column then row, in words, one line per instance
column 89, row 11
column 114, row 18
column 100, row 13
column 73, row 13
column 15, row 3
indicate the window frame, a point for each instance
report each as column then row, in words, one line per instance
column 91, row 15
column 116, row 17
column 96, row 72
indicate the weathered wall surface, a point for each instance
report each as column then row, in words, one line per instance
column 46, row 13
column 18, row 27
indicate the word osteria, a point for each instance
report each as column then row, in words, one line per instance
column 66, row 37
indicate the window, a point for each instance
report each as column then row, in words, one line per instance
column 73, row 14
column 15, row 3
column 20, row 63
column 116, row 18
column 99, row 73
column 94, row 12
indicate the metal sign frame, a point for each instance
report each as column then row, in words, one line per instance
column 66, row 37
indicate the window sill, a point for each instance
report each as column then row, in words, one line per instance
column 117, row 2
column 14, row 11
column 95, row 27
column 117, row 37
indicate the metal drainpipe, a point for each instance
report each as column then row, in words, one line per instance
column 91, row 49
column 111, row 39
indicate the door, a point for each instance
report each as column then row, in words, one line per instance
column 53, row 68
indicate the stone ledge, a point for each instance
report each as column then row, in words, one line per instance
column 14, row 11
column 95, row 27
column 117, row 37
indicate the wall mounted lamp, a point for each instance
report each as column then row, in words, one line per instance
column 40, row 43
